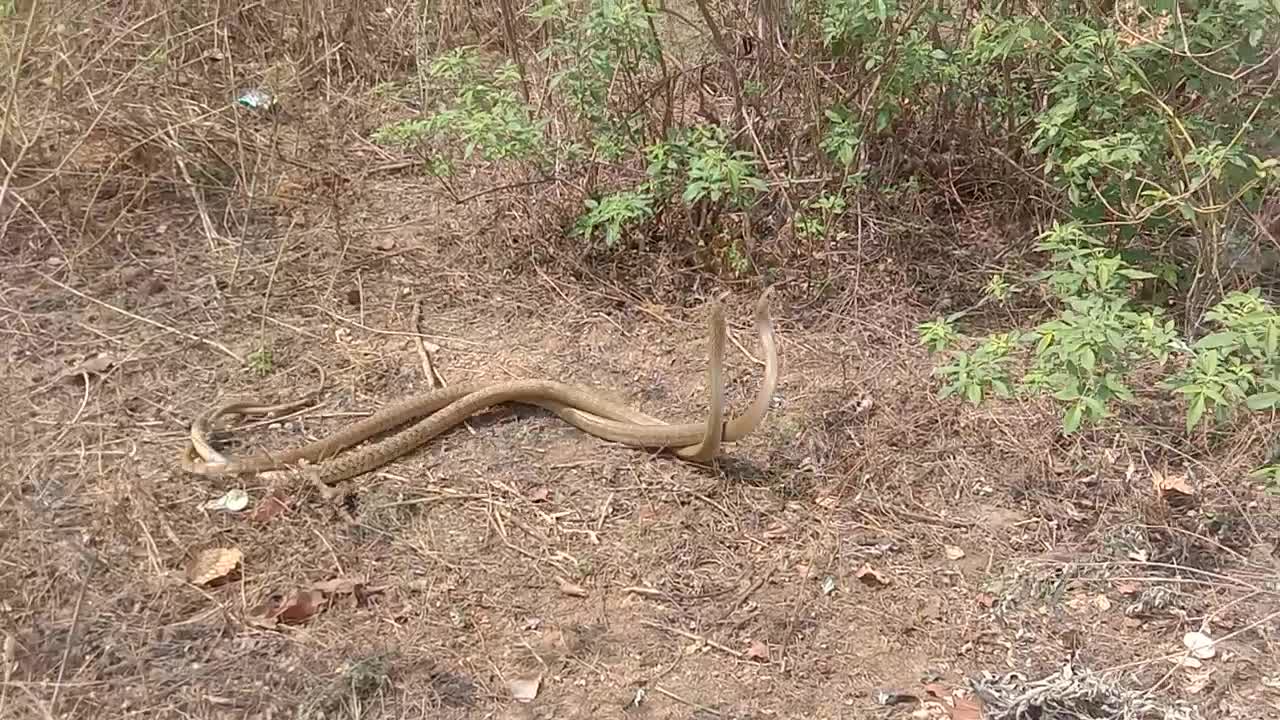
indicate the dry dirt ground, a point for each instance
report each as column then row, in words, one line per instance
column 871, row 552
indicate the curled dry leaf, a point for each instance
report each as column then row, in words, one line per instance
column 872, row 577
column 525, row 689
column 571, row 589
column 213, row 564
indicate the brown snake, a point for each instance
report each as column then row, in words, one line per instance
column 439, row 410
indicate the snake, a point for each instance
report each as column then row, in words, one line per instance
column 436, row 411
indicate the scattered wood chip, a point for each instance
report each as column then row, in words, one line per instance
column 525, row 689
column 953, row 552
column 571, row 589
column 872, row 577
column 213, row 564
column 758, row 651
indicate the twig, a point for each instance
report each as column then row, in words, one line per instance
column 149, row 321
column 696, row 706
column 428, row 368
column 271, row 281
column 692, row 636
column 71, row 635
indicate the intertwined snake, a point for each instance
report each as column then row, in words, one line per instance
column 439, row 410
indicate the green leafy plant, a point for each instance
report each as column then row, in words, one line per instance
column 1238, row 365
column 977, row 374
column 484, row 112
column 717, row 173
column 614, row 213
column 819, row 213
column 260, row 361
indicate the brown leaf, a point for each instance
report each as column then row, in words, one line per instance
column 872, row 577
column 213, row 564
column 758, row 651
column 985, row 599
column 539, row 494
column 1171, row 484
column 571, row 589
column 300, row 605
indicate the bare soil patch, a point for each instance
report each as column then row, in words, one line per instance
column 869, row 541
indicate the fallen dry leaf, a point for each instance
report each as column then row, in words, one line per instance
column 758, row 651
column 1169, row 484
column 1200, row 645
column 213, row 564
column 870, row 576
column 953, row 552
column 985, row 599
column 571, row 589
column 525, row 689
column 385, row 242
column 1102, row 602
column 539, row 494
column 300, row 606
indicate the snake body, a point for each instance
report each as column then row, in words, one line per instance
column 439, row 410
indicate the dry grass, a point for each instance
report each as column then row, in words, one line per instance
column 209, row 252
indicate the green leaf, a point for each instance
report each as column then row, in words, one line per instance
column 1217, row 340
column 1133, row 274
column 1071, row 422
column 1087, row 359
column 1195, row 412
column 1263, row 400
column 974, row 393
